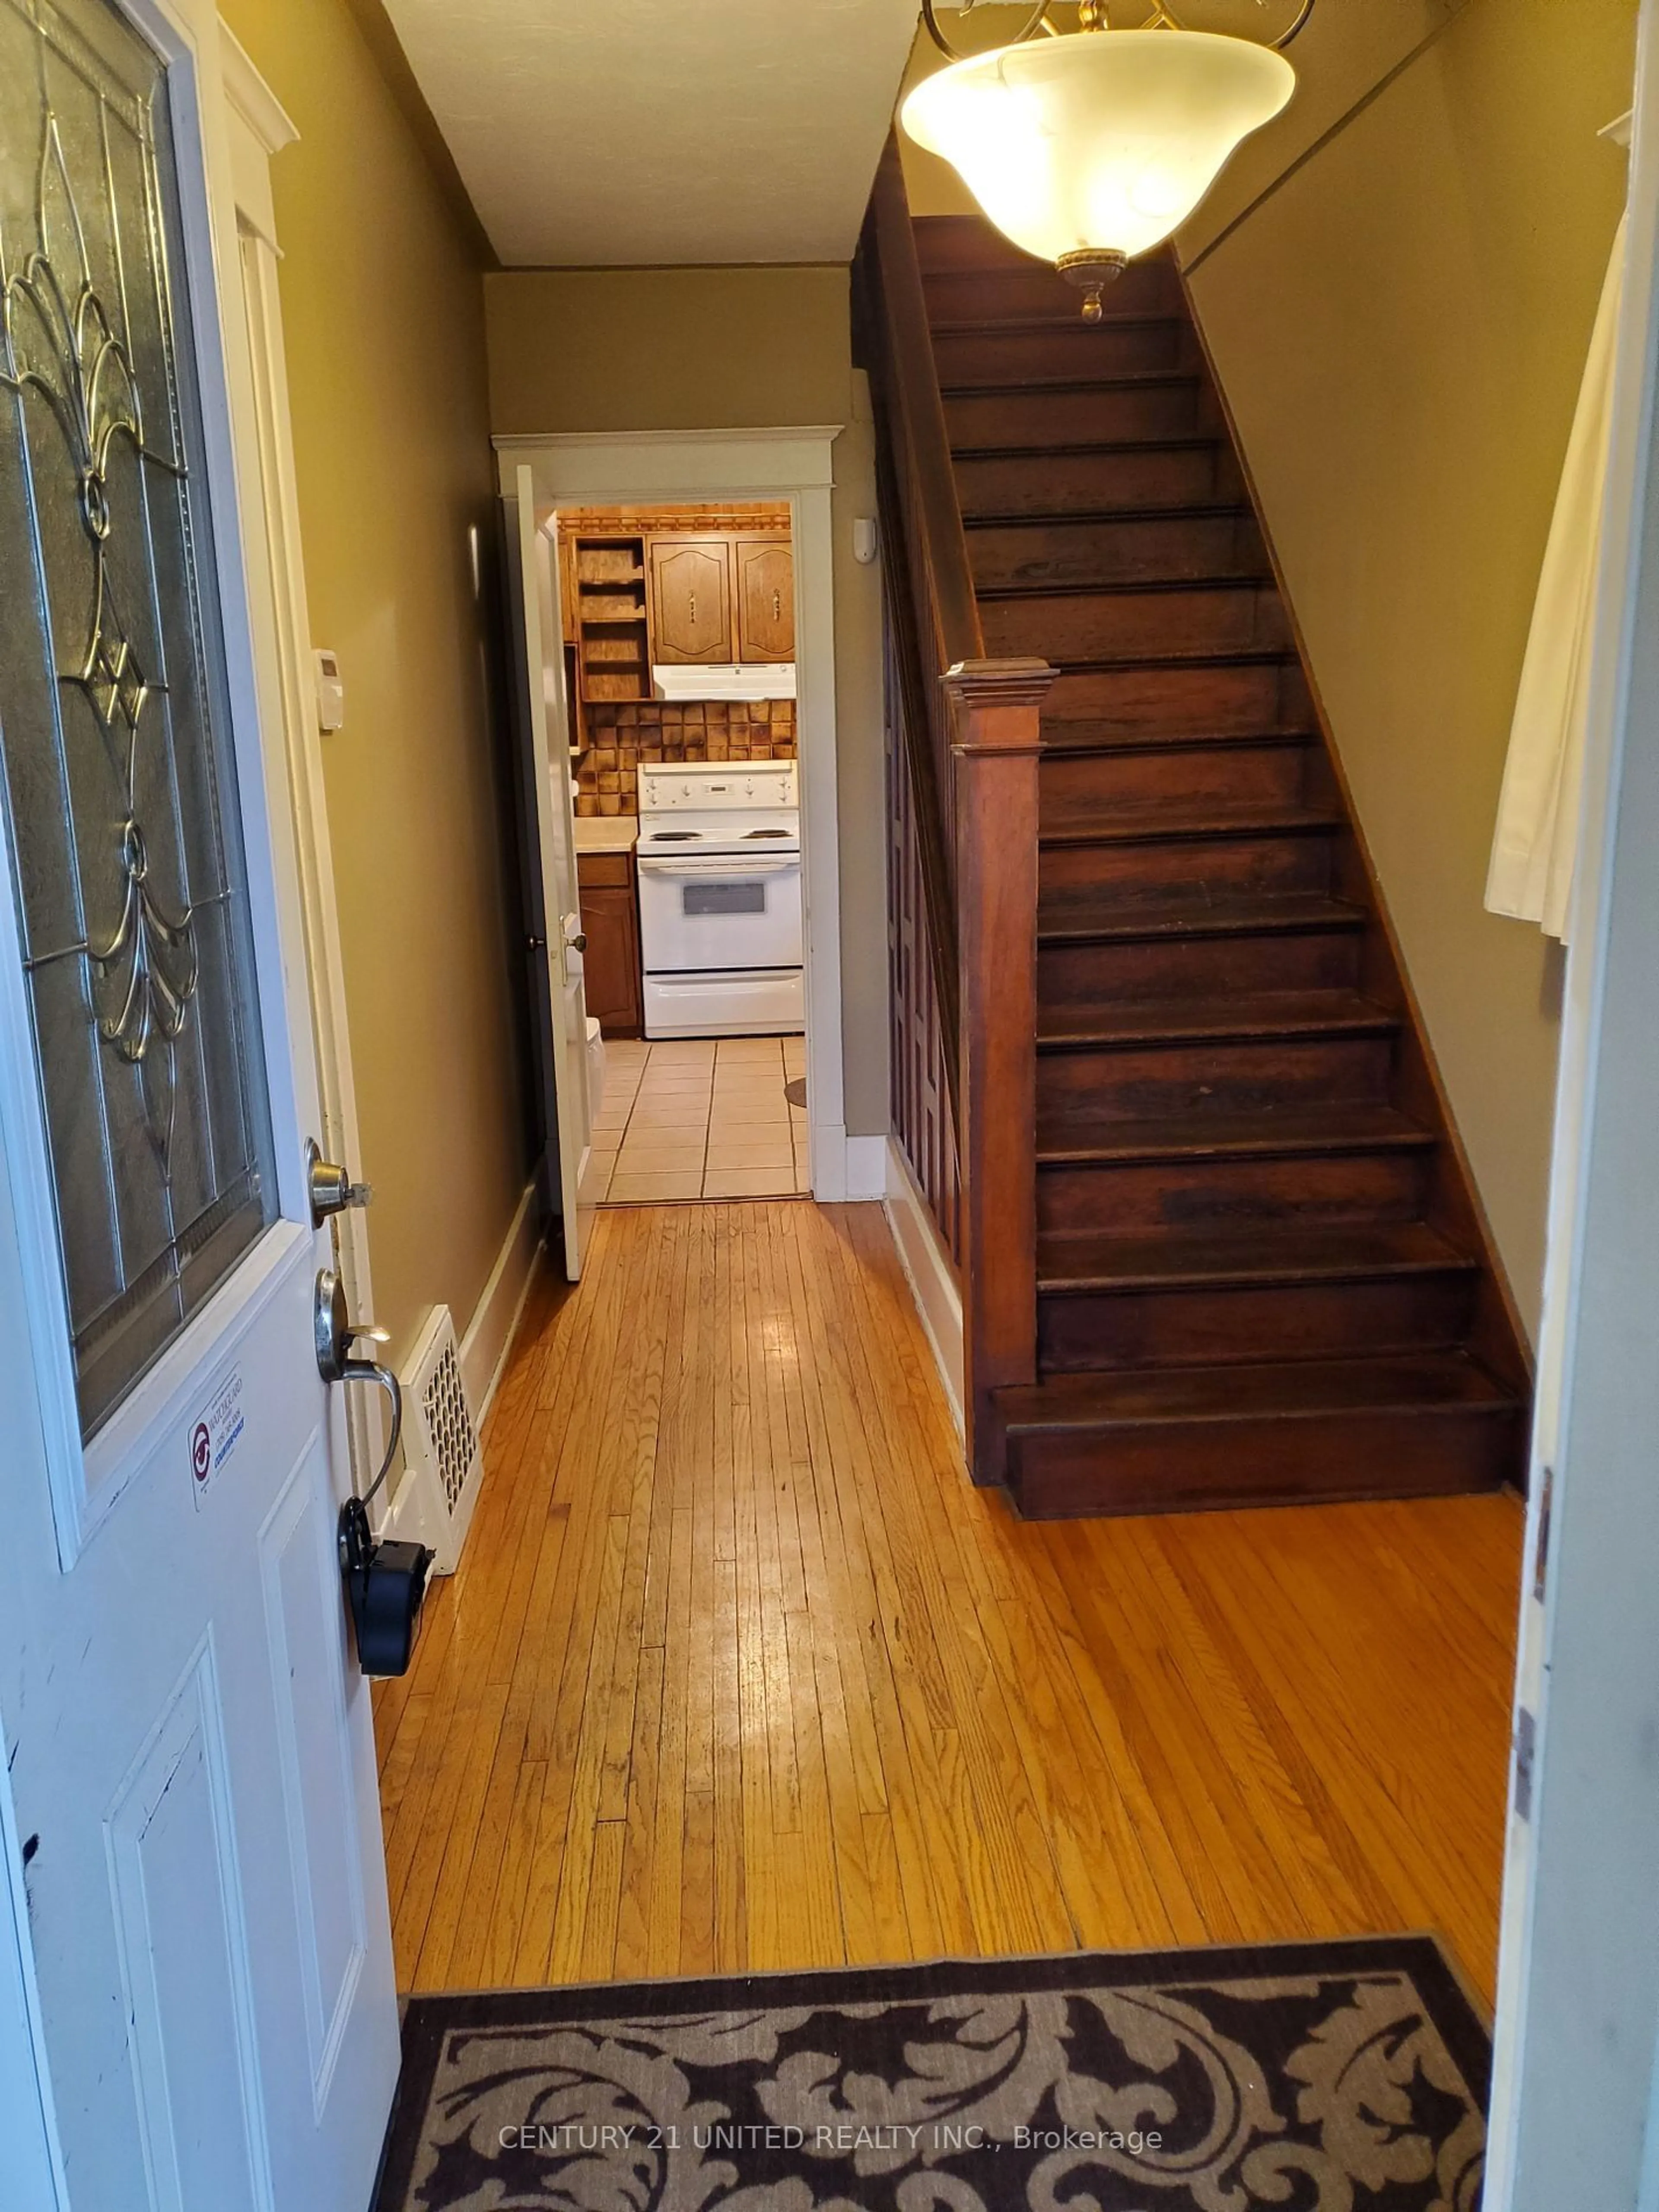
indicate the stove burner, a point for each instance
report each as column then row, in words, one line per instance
column 768, row 833
column 673, row 836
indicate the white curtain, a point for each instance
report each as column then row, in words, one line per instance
column 1532, row 854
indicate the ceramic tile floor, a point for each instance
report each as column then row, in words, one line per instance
column 699, row 1118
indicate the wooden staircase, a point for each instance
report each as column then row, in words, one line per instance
column 1260, row 1272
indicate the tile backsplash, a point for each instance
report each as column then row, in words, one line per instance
column 623, row 733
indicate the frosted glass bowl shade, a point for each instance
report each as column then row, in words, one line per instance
column 1102, row 140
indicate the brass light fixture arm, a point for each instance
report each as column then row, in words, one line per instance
column 1036, row 23
column 1093, row 17
column 1279, row 44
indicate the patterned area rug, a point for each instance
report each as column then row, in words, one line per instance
column 1317, row 2077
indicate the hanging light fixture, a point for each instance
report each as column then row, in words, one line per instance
column 1090, row 147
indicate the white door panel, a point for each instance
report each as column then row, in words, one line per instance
column 192, row 1761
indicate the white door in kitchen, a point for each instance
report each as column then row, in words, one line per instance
column 553, row 913
column 192, row 1775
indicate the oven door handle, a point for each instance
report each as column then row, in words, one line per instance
column 732, row 869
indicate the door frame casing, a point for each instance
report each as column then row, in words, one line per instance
column 259, row 128
column 668, row 468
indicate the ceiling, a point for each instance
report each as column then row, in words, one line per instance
column 598, row 133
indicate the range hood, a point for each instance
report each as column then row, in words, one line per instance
column 725, row 679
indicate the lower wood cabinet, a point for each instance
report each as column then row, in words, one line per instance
column 611, row 922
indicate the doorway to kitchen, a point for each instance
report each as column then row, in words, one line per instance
column 727, row 569
column 678, row 629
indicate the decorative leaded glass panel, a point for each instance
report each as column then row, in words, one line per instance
column 115, row 755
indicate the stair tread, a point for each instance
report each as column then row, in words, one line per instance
column 1059, row 746
column 1152, row 820
column 1084, row 913
column 1257, row 578
column 976, row 326
column 1425, row 1382
column 1190, row 1020
column 1119, row 380
column 1336, row 1127
column 1080, row 1260
column 1244, row 656
column 1184, row 441
column 1096, row 518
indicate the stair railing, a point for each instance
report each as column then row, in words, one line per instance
column 971, row 728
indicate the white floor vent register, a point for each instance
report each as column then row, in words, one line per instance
column 441, row 1445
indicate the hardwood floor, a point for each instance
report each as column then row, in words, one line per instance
column 739, row 1672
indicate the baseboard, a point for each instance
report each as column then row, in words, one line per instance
column 489, row 1336
column 829, row 1162
column 846, row 1167
column 866, row 1167
column 928, row 1270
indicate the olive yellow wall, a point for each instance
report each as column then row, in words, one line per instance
column 383, row 317
column 1400, row 328
column 735, row 349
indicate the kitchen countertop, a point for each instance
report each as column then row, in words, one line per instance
column 607, row 833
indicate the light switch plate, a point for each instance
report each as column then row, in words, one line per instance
column 331, row 691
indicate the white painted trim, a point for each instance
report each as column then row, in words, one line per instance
column 252, row 98
column 928, row 1271
column 828, row 1141
column 488, row 1342
column 793, row 455
column 648, row 467
column 866, row 1167
column 257, row 126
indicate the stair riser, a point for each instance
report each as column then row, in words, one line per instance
column 1197, row 1466
column 1192, row 1196
column 1138, row 1082
column 1028, row 290
column 1056, row 555
column 1113, row 625
column 1191, row 865
column 1233, row 776
column 1173, row 967
column 1102, row 703
column 1301, row 1321
column 1067, row 355
column 1038, row 419
column 1085, row 483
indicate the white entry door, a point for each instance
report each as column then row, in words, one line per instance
column 1574, row 2110
column 558, row 996
column 192, row 1778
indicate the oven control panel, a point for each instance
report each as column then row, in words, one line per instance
column 726, row 787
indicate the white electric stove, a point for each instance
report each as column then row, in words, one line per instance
column 720, row 899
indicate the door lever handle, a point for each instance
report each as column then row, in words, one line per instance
column 385, row 1581
column 336, row 1334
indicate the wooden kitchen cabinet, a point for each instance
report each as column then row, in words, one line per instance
column 691, row 600
column 609, row 906
column 764, row 580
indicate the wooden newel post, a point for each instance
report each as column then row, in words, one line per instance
column 996, row 709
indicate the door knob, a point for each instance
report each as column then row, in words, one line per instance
column 330, row 1188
